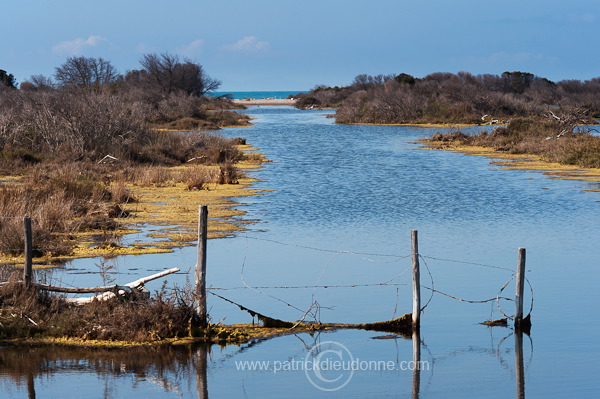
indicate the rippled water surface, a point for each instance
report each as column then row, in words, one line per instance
column 343, row 202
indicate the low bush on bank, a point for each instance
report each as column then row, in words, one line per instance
column 552, row 140
column 30, row 313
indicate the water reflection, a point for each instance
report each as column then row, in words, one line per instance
column 195, row 370
column 416, row 377
column 166, row 368
column 519, row 370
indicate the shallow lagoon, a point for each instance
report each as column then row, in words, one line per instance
column 345, row 199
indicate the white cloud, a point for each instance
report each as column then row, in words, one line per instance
column 192, row 49
column 76, row 46
column 249, row 44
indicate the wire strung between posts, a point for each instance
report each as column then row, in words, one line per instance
column 257, row 290
column 398, row 257
column 468, row 263
column 502, row 289
column 431, row 277
column 311, row 286
column 499, row 297
column 466, row 300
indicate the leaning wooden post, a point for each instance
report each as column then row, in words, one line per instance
column 519, row 323
column 28, row 269
column 200, row 272
column 416, row 313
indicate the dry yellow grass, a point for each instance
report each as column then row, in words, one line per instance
column 531, row 163
column 174, row 208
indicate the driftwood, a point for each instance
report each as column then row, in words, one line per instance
column 119, row 290
column 81, row 290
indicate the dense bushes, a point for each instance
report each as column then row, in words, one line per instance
column 451, row 98
column 56, row 135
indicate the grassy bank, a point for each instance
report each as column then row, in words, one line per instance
column 82, row 209
column 551, row 141
column 534, row 145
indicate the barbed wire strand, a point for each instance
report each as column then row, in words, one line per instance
column 257, row 290
column 465, row 300
column 399, row 257
column 468, row 263
column 432, row 284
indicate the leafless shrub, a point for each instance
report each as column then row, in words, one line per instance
column 229, row 174
column 152, row 176
column 197, row 177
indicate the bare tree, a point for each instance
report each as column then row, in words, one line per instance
column 38, row 82
column 86, row 72
column 167, row 73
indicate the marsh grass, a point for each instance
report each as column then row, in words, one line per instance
column 65, row 199
column 30, row 313
column 546, row 139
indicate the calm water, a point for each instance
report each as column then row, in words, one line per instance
column 257, row 94
column 345, row 199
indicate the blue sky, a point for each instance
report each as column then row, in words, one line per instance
column 295, row 45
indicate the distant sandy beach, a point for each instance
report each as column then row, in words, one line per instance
column 264, row 101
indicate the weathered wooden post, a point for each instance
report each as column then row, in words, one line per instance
column 520, row 323
column 416, row 277
column 200, row 271
column 28, row 268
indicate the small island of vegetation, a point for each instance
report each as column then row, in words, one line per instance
column 539, row 117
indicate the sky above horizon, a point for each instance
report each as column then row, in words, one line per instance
column 296, row 45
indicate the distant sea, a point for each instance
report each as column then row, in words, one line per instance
column 257, row 94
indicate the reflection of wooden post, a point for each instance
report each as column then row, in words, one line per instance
column 201, row 372
column 416, row 377
column 520, row 288
column 200, row 272
column 28, row 268
column 520, row 373
column 416, row 313
column 30, row 386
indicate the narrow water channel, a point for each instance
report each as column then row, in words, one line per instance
column 341, row 203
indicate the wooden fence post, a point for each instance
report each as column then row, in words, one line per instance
column 200, row 271
column 28, row 268
column 520, row 323
column 416, row 313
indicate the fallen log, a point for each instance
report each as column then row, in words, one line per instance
column 81, row 290
column 134, row 285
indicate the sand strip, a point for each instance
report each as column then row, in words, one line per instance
column 265, row 101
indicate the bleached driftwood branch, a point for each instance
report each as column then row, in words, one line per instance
column 121, row 290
